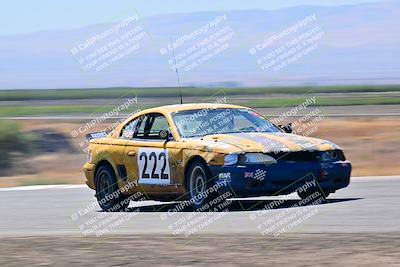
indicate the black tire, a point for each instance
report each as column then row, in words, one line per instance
column 311, row 191
column 199, row 184
column 108, row 194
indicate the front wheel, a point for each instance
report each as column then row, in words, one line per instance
column 108, row 194
column 199, row 184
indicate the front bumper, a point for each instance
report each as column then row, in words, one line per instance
column 280, row 178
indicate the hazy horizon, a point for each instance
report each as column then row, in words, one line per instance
column 350, row 43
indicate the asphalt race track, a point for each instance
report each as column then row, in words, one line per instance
column 368, row 205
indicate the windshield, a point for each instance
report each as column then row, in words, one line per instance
column 200, row 122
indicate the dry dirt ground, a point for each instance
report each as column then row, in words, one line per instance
column 372, row 145
column 204, row 250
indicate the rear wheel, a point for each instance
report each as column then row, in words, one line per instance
column 108, row 194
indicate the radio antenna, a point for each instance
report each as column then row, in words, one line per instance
column 177, row 74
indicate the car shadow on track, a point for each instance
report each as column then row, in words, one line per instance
column 236, row 205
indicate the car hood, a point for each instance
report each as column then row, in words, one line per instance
column 261, row 142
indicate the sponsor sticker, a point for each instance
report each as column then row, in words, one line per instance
column 225, row 176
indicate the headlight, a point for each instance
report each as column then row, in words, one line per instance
column 256, row 158
column 231, row 159
column 332, row 155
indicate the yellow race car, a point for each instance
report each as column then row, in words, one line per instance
column 196, row 152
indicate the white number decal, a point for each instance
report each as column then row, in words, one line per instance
column 153, row 166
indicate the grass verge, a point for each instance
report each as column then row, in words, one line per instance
column 125, row 92
column 9, row 111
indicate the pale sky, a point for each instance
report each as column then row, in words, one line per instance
column 24, row 16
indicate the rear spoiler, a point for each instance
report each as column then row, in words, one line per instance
column 96, row 135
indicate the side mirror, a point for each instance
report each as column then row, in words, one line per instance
column 287, row 128
column 165, row 135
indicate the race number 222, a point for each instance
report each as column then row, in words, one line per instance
column 153, row 166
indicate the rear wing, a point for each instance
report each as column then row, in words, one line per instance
column 96, row 135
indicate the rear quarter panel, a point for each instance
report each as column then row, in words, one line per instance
column 105, row 149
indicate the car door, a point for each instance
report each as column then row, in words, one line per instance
column 150, row 160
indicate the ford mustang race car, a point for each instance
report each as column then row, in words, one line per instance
column 195, row 152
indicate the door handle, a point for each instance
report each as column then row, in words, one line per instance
column 131, row 153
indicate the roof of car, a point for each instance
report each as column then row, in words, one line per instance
column 181, row 107
column 174, row 108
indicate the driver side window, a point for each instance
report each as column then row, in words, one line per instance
column 154, row 124
column 159, row 124
column 146, row 127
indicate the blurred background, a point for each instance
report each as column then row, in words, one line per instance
column 70, row 68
